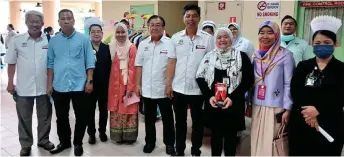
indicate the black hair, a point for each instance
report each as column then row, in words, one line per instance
column 2, row 39
column 95, row 25
column 157, row 17
column 48, row 29
column 326, row 33
column 124, row 21
column 210, row 27
column 11, row 26
column 65, row 11
column 288, row 17
column 192, row 7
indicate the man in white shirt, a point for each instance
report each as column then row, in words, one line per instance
column 190, row 45
column 151, row 63
column 28, row 53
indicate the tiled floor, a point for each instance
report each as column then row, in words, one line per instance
column 10, row 144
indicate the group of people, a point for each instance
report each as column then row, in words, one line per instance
column 213, row 74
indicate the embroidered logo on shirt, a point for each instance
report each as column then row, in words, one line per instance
column 45, row 47
column 296, row 44
column 201, row 47
column 146, row 49
column 180, row 42
column 24, row 44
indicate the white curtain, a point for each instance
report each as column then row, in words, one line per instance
column 310, row 13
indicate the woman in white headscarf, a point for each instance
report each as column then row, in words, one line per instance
column 209, row 27
column 240, row 43
column 123, row 119
column 234, row 69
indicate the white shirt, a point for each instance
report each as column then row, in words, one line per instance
column 244, row 45
column 30, row 56
column 189, row 53
column 153, row 60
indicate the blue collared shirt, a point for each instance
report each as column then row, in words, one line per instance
column 70, row 57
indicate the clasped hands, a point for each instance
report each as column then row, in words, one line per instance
column 227, row 102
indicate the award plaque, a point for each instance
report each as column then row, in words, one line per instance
column 220, row 94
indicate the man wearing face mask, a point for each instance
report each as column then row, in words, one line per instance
column 299, row 47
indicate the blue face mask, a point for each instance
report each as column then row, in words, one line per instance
column 323, row 51
column 287, row 38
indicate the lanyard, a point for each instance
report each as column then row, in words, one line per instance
column 263, row 72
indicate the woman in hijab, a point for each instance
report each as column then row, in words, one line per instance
column 123, row 119
column 209, row 27
column 317, row 90
column 233, row 68
column 273, row 70
column 240, row 43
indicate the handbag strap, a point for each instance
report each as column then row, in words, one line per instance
column 281, row 131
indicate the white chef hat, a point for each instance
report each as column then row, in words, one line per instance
column 93, row 20
column 325, row 22
column 209, row 23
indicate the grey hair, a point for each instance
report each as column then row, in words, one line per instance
column 34, row 12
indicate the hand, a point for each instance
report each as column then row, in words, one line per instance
column 228, row 102
column 138, row 91
column 169, row 92
column 309, row 112
column 89, row 88
column 11, row 88
column 213, row 102
column 313, row 123
column 130, row 94
column 285, row 117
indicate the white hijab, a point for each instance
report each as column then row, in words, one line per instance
column 223, row 59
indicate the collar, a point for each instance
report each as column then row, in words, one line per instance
column 74, row 32
column 162, row 39
column 198, row 33
column 27, row 36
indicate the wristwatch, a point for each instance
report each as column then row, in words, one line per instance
column 90, row 81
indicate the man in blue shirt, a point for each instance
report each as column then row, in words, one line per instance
column 70, row 73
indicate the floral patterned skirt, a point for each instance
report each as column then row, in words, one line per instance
column 123, row 127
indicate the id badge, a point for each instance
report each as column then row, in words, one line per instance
column 225, row 80
column 261, row 92
column 310, row 82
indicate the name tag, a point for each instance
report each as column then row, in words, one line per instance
column 200, row 47
column 45, row 47
column 163, row 52
column 24, row 44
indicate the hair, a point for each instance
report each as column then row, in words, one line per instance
column 95, row 25
column 65, row 11
column 35, row 13
column 11, row 26
column 288, row 17
column 124, row 21
column 1, row 39
column 192, row 7
column 48, row 29
column 60, row 29
column 126, row 13
column 326, row 33
column 157, row 17
column 210, row 27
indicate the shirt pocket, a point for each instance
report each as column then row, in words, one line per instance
column 182, row 51
column 76, row 51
